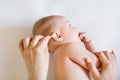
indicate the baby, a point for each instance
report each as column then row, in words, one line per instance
column 69, row 55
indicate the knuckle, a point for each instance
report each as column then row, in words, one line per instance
column 100, row 53
column 36, row 49
column 106, row 52
column 107, row 63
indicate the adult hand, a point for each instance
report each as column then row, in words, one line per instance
column 108, row 66
column 36, row 56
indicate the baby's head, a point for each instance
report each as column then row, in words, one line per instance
column 59, row 25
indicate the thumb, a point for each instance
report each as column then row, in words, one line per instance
column 44, row 41
column 92, row 68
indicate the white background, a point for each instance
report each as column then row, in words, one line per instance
column 99, row 18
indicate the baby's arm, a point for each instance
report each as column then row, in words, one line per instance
column 89, row 45
column 78, row 55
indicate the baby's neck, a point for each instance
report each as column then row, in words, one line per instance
column 57, row 47
column 53, row 48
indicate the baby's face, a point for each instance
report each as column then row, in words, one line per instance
column 69, row 32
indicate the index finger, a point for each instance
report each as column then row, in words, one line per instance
column 44, row 41
column 102, row 57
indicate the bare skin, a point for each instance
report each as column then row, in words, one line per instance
column 35, row 53
column 67, row 44
column 109, row 66
column 35, row 72
column 70, row 60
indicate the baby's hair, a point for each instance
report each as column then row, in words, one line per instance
column 44, row 23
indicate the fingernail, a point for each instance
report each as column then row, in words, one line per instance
column 88, row 60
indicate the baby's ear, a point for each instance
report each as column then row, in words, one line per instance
column 58, row 37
